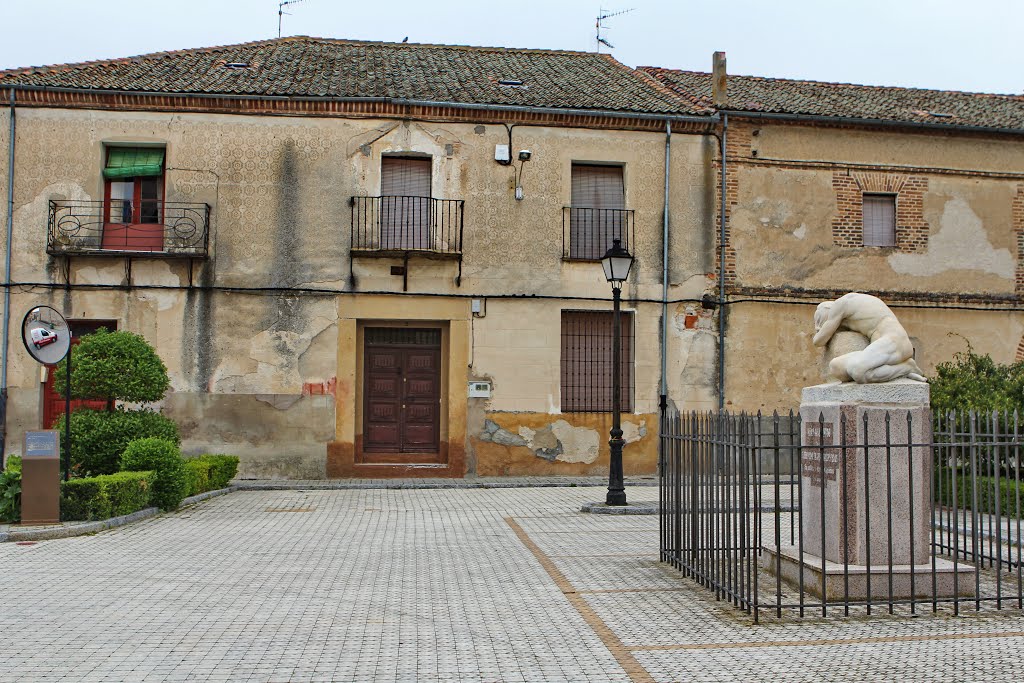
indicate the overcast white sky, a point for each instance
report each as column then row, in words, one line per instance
column 974, row 45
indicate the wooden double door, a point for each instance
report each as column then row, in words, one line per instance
column 402, row 395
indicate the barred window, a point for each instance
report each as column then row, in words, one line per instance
column 879, row 211
column 586, row 373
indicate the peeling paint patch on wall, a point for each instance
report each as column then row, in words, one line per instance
column 960, row 244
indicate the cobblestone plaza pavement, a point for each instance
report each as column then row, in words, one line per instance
column 470, row 585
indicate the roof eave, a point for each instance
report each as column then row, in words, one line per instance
column 881, row 123
column 604, row 113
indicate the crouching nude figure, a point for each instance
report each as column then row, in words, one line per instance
column 889, row 354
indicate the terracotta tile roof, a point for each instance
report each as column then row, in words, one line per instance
column 910, row 105
column 312, row 67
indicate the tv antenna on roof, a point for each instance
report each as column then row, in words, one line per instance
column 601, row 16
column 281, row 12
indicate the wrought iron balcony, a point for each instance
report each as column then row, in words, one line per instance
column 117, row 227
column 393, row 225
column 588, row 233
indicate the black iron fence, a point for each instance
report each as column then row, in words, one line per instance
column 121, row 226
column 881, row 511
column 588, row 233
column 401, row 224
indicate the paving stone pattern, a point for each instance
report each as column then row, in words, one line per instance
column 466, row 584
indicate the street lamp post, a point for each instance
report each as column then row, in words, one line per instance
column 616, row 263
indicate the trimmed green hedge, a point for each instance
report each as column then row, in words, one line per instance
column 99, row 437
column 210, row 472
column 170, row 485
column 1009, row 490
column 223, row 469
column 10, row 490
column 105, row 496
column 197, row 474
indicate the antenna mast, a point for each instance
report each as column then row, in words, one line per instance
column 281, row 12
column 603, row 14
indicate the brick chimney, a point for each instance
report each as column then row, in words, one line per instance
column 719, row 79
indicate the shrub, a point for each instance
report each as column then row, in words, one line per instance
column 10, row 490
column 974, row 382
column 223, row 469
column 105, row 496
column 170, row 483
column 198, row 475
column 1011, row 494
column 114, row 366
column 99, row 437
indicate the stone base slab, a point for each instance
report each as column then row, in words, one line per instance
column 946, row 585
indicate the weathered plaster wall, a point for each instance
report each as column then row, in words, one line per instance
column 785, row 203
column 794, row 195
column 273, row 375
column 771, row 357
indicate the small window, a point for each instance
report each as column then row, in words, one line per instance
column 586, row 374
column 133, row 198
column 598, row 214
column 879, row 220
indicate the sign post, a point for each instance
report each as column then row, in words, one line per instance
column 47, row 339
column 40, row 478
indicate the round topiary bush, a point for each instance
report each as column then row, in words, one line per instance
column 162, row 457
column 99, row 437
column 114, row 366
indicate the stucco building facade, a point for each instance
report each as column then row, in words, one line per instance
column 355, row 272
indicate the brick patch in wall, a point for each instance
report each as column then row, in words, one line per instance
column 1018, row 233
column 848, row 223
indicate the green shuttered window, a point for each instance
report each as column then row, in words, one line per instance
column 132, row 162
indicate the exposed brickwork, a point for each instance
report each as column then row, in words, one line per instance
column 1018, row 233
column 848, row 223
column 738, row 143
column 1020, row 351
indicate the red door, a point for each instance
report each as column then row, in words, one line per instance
column 53, row 402
column 402, row 396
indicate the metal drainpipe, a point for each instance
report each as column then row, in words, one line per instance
column 721, row 273
column 7, row 283
column 663, row 404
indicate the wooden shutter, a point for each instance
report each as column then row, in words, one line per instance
column 598, row 187
column 586, row 366
column 879, row 212
column 403, row 177
column 405, row 203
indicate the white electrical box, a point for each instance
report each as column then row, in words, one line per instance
column 502, row 153
column 479, row 389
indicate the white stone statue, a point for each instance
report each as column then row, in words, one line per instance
column 889, row 354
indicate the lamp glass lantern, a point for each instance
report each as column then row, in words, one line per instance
column 616, row 262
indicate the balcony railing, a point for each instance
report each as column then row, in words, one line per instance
column 392, row 224
column 154, row 228
column 588, row 233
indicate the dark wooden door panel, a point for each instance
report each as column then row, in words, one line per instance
column 402, row 406
column 382, row 409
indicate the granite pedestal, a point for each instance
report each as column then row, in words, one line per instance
column 866, row 472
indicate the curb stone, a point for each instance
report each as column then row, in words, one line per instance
column 71, row 529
